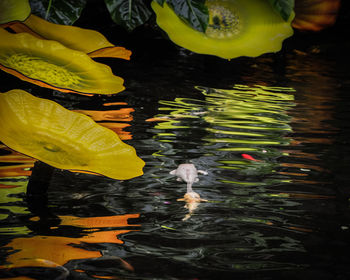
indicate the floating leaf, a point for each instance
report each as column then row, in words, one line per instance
column 61, row 12
column 44, row 130
column 50, row 64
column 236, row 28
column 13, row 10
column 128, row 13
column 86, row 40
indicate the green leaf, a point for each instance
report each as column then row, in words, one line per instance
column 194, row 12
column 129, row 13
column 283, row 7
column 161, row 2
column 61, row 12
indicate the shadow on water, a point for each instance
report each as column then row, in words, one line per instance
column 270, row 132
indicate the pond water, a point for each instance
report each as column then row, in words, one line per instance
column 271, row 132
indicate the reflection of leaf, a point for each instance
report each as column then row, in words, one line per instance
column 58, row 248
column 283, row 7
column 50, row 64
column 11, row 194
column 113, row 118
column 128, row 13
column 64, row 139
column 15, row 170
column 62, row 12
column 123, row 114
column 194, row 12
column 98, row 222
column 315, row 15
column 15, row 230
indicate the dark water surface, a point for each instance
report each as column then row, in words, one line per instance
column 284, row 215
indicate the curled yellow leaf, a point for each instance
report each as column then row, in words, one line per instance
column 88, row 41
column 14, row 10
column 50, row 64
column 236, row 28
column 45, row 130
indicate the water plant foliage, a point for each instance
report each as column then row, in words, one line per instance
column 61, row 12
column 46, row 131
column 88, row 41
column 133, row 13
column 50, row 64
column 239, row 28
column 14, row 10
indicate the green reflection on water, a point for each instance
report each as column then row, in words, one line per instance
column 15, row 230
column 228, row 122
column 10, row 200
column 9, row 194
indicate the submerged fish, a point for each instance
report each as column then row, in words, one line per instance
column 188, row 173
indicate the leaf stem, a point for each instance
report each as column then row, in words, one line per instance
column 48, row 9
column 130, row 9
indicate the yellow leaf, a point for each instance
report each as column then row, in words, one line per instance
column 50, row 64
column 85, row 40
column 45, row 130
column 14, row 10
column 236, row 28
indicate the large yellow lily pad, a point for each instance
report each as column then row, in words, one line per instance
column 45, row 130
column 50, row 64
column 236, row 28
column 85, row 40
column 14, row 10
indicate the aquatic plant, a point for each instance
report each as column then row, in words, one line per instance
column 133, row 13
column 45, row 130
column 88, row 41
column 50, row 64
column 239, row 28
column 53, row 55
column 14, row 10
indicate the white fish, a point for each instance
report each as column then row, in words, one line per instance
column 188, row 173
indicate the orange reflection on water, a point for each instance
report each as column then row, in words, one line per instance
column 98, row 222
column 114, row 103
column 119, row 129
column 123, row 114
column 113, row 119
column 16, row 170
column 60, row 249
column 315, row 15
column 15, row 164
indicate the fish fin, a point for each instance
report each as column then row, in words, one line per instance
column 179, row 179
column 202, row 172
column 173, row 172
